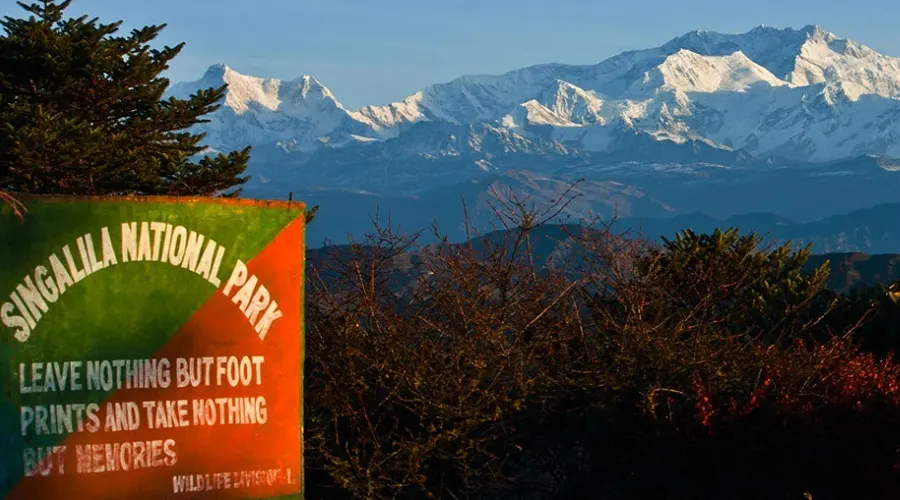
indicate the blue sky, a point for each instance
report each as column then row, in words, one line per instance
column 377, row 51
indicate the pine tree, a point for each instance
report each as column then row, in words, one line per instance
column 82, row 112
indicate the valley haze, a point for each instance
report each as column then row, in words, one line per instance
column 795, row 122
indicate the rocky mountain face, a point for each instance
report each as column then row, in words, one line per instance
column 798, row 122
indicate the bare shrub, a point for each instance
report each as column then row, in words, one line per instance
column 709, row 366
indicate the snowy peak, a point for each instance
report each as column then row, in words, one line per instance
column 817, row 33
column 772, row 48
column 216, row 72
column 566, row 105
column 688, row 71
column 826, row 58
column 807, row 56
column 307, row 93
column 295, row 115
column 307, row 87
column 249, row 92
column 245, row 91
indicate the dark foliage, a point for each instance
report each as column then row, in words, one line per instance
column 703, row 368
column 81, row 112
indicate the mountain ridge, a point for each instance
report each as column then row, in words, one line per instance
column 798, row 122
column 702, row 85
column 554, row 246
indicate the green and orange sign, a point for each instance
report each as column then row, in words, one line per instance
column 151, row 348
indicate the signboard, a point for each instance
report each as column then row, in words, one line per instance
column 151, row 348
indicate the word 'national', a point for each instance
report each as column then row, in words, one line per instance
column 144, row 241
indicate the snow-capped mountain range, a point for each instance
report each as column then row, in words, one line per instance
column 803, row 95
column 798, row 122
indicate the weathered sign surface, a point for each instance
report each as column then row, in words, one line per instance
column 151, row 348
